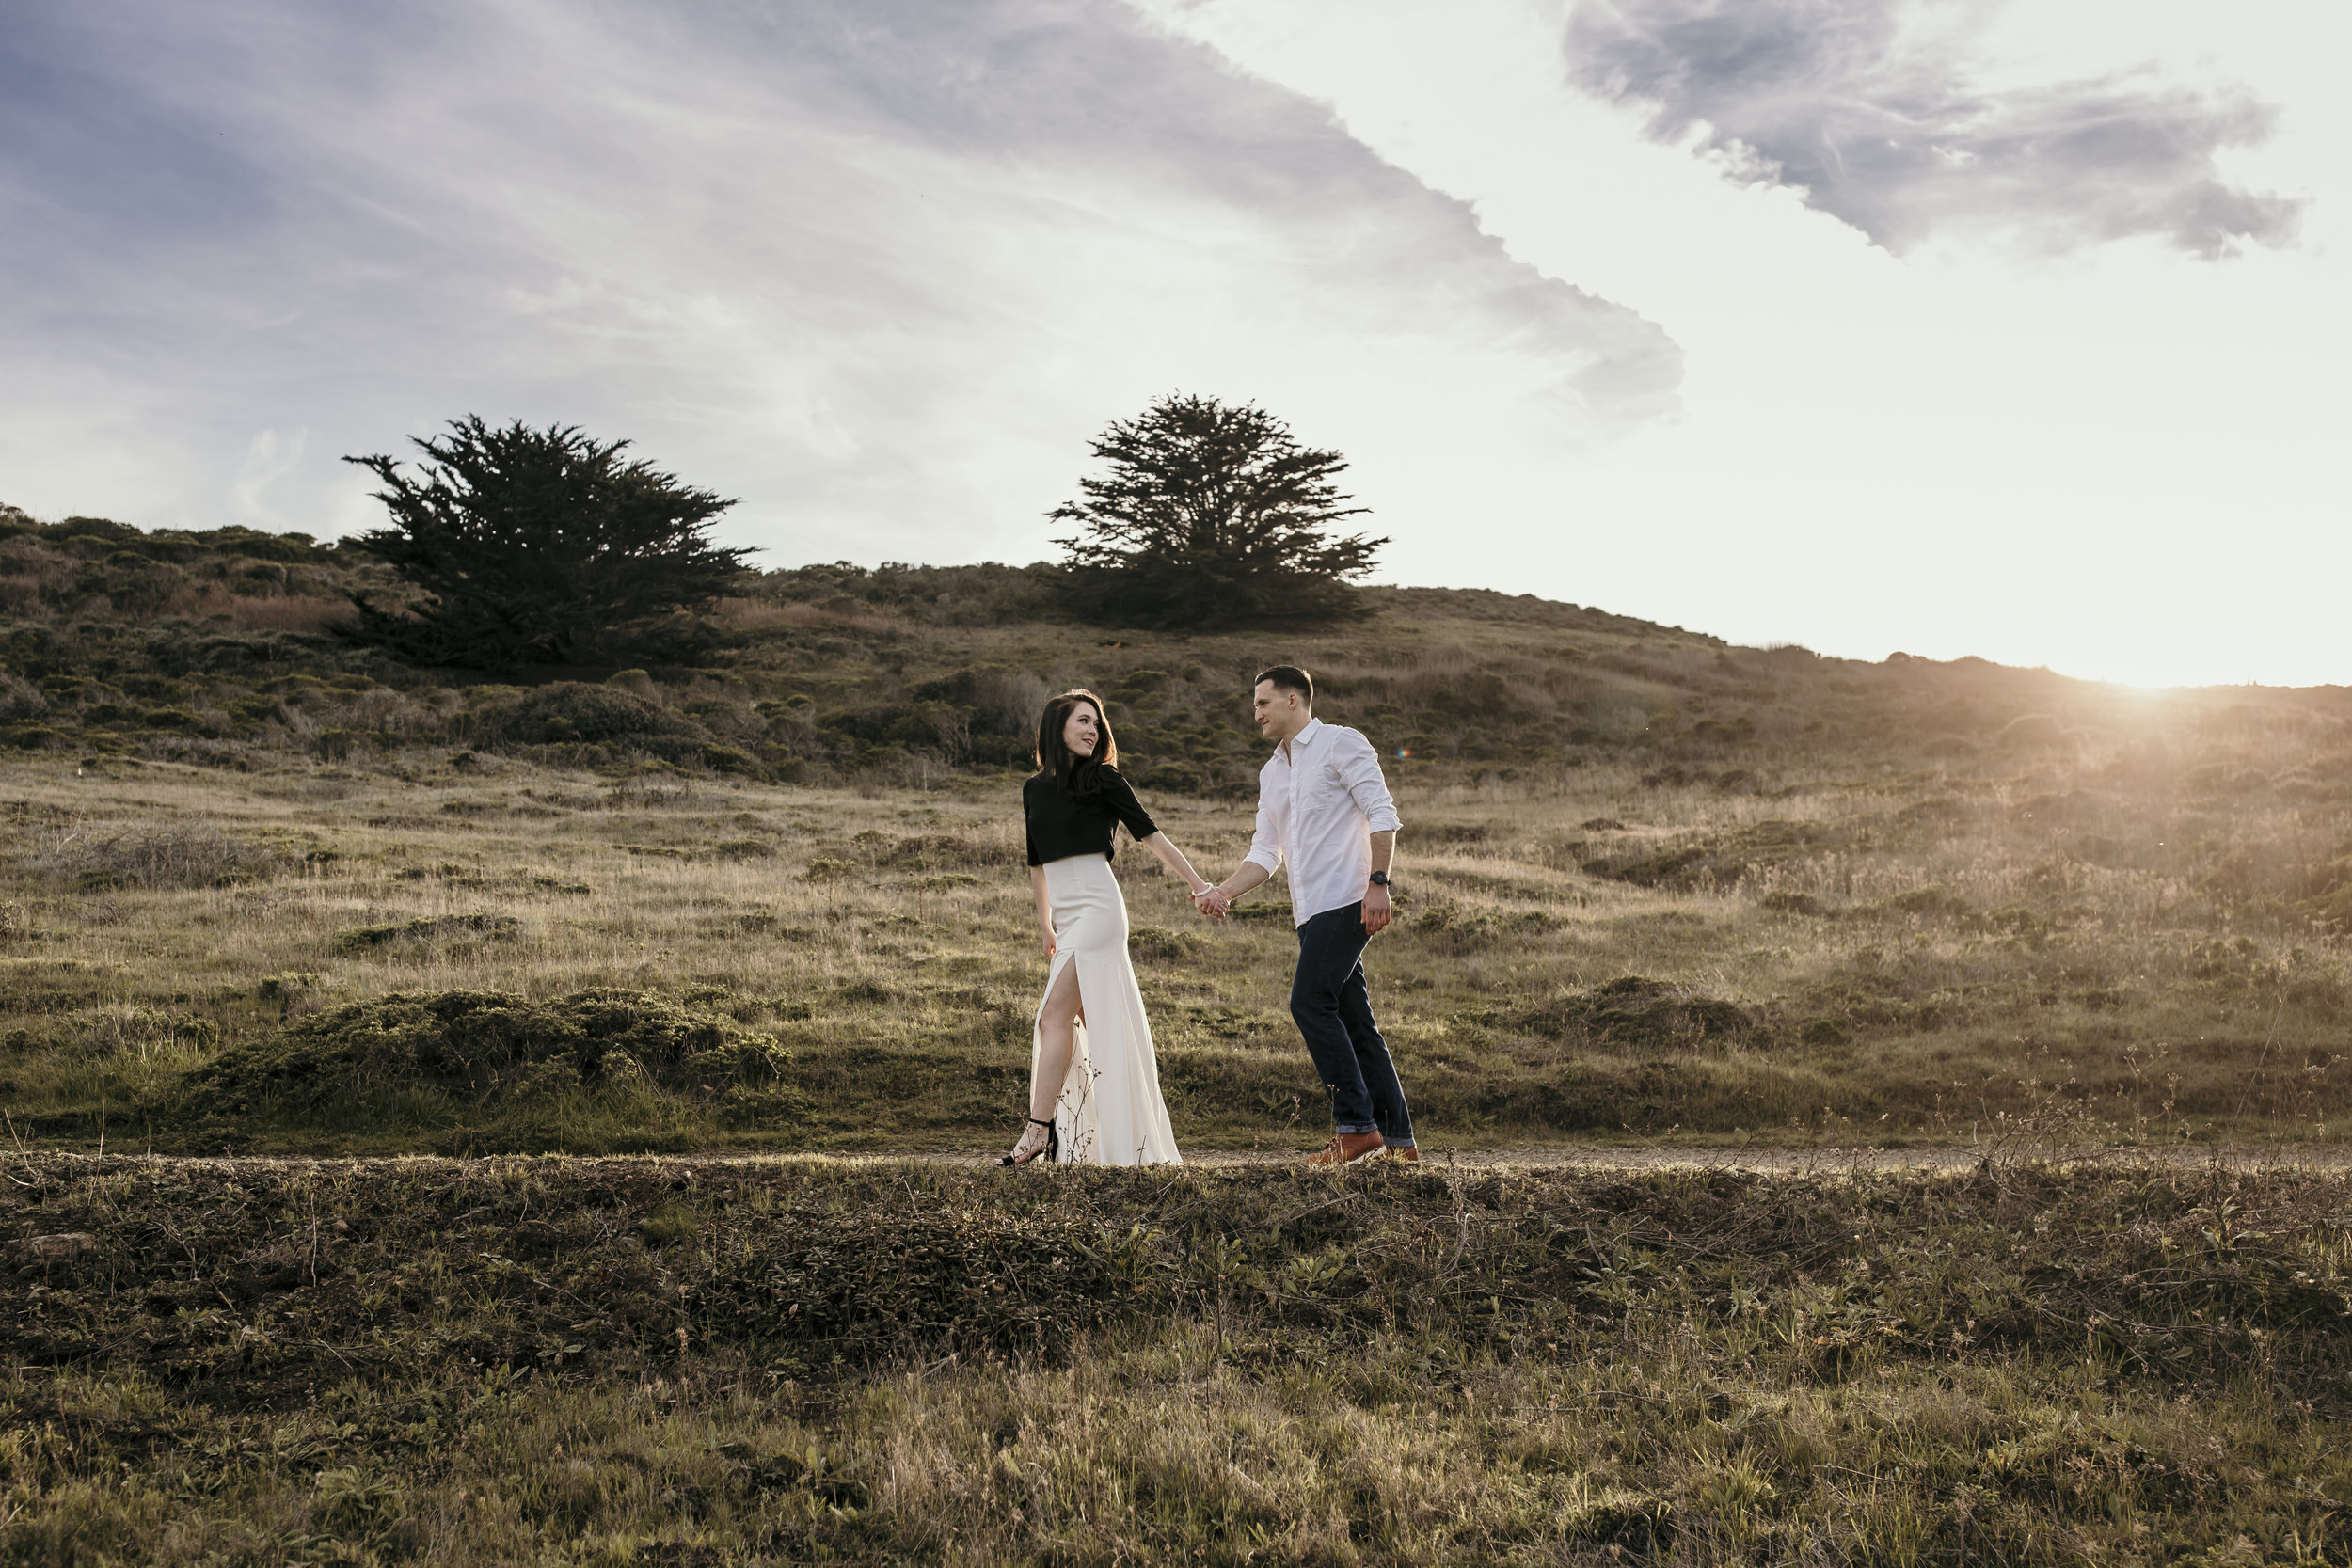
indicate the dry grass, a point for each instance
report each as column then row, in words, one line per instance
column 1889, row 956
column 762, row 614
column 1654, row 891
column 1652, row 888
column 655, row 1362
column 258, row 612
column 172, row 854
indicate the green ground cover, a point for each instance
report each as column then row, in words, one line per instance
column 650, row 1361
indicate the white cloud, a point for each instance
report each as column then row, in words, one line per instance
column 270, row 459
column 2117, row 462
column 1871, row 109
column 879, row 270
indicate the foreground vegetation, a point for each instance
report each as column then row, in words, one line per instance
column 661, row 1362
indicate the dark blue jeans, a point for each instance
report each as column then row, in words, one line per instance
column 1334, row 1012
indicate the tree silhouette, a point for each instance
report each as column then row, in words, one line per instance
column 1213, row 516
column 542, row 547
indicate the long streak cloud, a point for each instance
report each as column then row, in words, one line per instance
column 878, row 267
column 1868, row 107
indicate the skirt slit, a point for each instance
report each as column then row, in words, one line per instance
column 1108, row 1110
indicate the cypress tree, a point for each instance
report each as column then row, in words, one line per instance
column 542, row 547
column 1213, row 516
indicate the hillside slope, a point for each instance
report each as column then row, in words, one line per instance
column 205, row 646
column 1649, row 882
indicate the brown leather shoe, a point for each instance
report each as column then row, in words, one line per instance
column 1409, row 1155
column 1344, row 1146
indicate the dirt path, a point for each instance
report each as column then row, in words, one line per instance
column 1599, row 1160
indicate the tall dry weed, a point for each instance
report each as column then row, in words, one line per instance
column 171, row 855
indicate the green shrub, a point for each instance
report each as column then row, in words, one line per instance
column 1180, row 778
column 492, row 1049
column 730, row 759
column 439, row 928
column 600, row 715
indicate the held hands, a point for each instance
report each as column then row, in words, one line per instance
column 1212, row 901
column 1376, row 910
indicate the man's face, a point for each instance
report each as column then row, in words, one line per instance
column 1276, row 711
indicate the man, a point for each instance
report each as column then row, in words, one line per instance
column 1324, row 808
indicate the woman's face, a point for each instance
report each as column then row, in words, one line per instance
column 1081, row 730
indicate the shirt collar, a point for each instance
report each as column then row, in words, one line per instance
column 1301, row 739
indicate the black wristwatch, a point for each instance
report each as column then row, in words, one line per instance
column 1379, row 879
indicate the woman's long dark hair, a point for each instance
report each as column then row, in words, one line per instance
column 1073, row 772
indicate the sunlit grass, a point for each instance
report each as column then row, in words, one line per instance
column 1920, row 957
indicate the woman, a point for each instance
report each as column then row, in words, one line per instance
column 1094, row 1088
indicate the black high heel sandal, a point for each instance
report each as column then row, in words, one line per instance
column 1052, row 1146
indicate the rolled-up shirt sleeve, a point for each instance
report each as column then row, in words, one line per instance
column 1265, row 847
column 1358, row 767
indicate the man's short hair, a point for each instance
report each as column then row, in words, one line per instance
column 1290, row 677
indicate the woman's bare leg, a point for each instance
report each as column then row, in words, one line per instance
column 1057, row 1037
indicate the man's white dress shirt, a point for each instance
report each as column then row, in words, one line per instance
column 1318, row 798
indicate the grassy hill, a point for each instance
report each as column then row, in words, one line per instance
column 260, row 890
column 1653, row 885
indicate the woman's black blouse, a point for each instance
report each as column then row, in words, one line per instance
column 1062, row 824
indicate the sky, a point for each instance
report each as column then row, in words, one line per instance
column 1952, row 327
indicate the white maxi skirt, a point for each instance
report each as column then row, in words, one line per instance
column 1108, row 1110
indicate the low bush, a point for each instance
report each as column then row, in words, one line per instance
column 1464, row 927
column 184, row 854
column 20, row 698
column 1179, row 778
column 430, row 928
column 575, row 712
column 939, row 852
column 1158, row 944
column 488, row 1050
column 1785, row 902
column 1633, row 1012
column 1717, row 858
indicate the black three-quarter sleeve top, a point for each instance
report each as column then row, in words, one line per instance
column 1062, row 824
